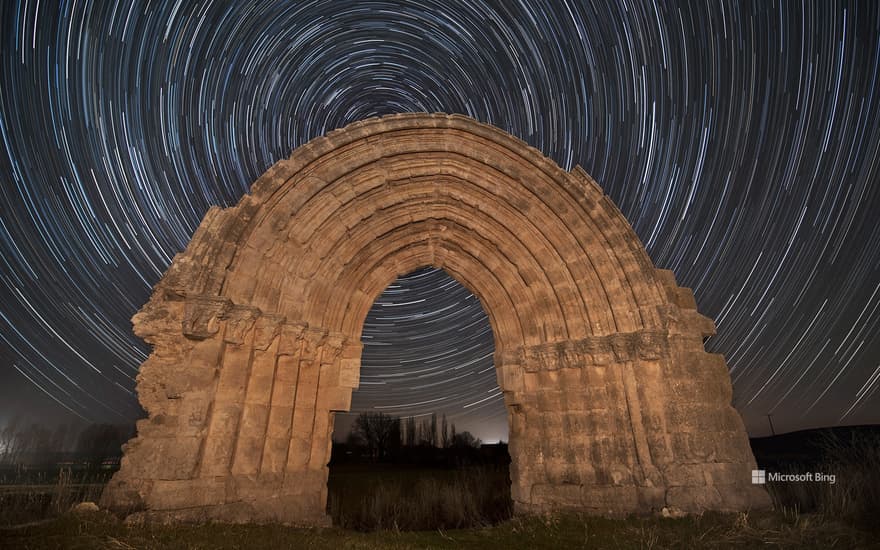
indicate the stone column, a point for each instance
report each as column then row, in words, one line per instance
column 252, row 433
column 306, row 401
column 284, row 392
column 235, row 370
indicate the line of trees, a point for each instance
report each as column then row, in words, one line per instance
column 32, row 443
column 384, row 436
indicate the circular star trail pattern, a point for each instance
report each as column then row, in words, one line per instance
column 740, row 140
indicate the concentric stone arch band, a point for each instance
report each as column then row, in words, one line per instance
column 613, row 404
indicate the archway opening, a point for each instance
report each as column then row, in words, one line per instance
column 424, row 445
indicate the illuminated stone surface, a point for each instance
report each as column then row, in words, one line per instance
column 614, row 406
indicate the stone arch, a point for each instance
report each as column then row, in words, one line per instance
column 614, row 405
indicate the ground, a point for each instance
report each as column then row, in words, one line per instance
column 103, row 531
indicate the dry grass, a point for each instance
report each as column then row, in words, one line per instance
column 729, row 531
column 27, row 503
column 412, row 500
column 854, row 497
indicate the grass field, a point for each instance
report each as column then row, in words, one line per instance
column 102, row 531
column 407, row 507
column 415, row 508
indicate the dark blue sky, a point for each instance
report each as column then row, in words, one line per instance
column 741, row 141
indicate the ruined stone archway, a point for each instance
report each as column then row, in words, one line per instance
column 613, row 404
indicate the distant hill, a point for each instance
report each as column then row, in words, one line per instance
column 812, row 446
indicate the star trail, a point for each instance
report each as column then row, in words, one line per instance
column 741, row 141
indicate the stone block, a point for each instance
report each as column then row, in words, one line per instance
column 259, row 388
column 274, row 458
column 691, row 498
column 685, row 474
column 731, row 446
column 225, row 417
column 651, row 499
column 531, row 383
column 248, row 454
column 551, row 400
column 684, row 298
column 560, row 471
column 287, row 371
column 217, row 455
column 556, row 496
column 510, row 377
column 349, row 372
column 279, row 424
column 254, row 419
column 610, row 499
column 187, row 493
column 338, row 399
column 303, row 422
column 596, row 422
column 701, row 417
column 728, row 473
column 298, row 453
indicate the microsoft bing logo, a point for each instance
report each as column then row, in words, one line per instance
column 759, row 477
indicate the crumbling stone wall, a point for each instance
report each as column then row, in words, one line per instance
column 614, row 405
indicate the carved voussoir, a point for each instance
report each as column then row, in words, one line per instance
column 202, row 315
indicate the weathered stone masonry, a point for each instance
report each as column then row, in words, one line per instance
column 614, row 405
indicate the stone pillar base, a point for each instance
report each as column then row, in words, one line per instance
column 295, row 499
column 623, row 501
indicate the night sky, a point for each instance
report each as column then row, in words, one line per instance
column 741, row 141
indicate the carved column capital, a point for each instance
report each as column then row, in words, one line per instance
column 202, row 315
column 593, row 350
column 239, row 322
column 268, row 328
column 332, row 347
column 291, row 338
column 312, row 340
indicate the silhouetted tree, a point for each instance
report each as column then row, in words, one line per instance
column 394, row 442
column 423, row 433
column 466, row 439
column 428, row 431
column 11, row 441
column 411, row 440
column 35, row 443
column 444, row 433
column 59, row 439
column 100, row 441
column 354, row 439
column 378, row 431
